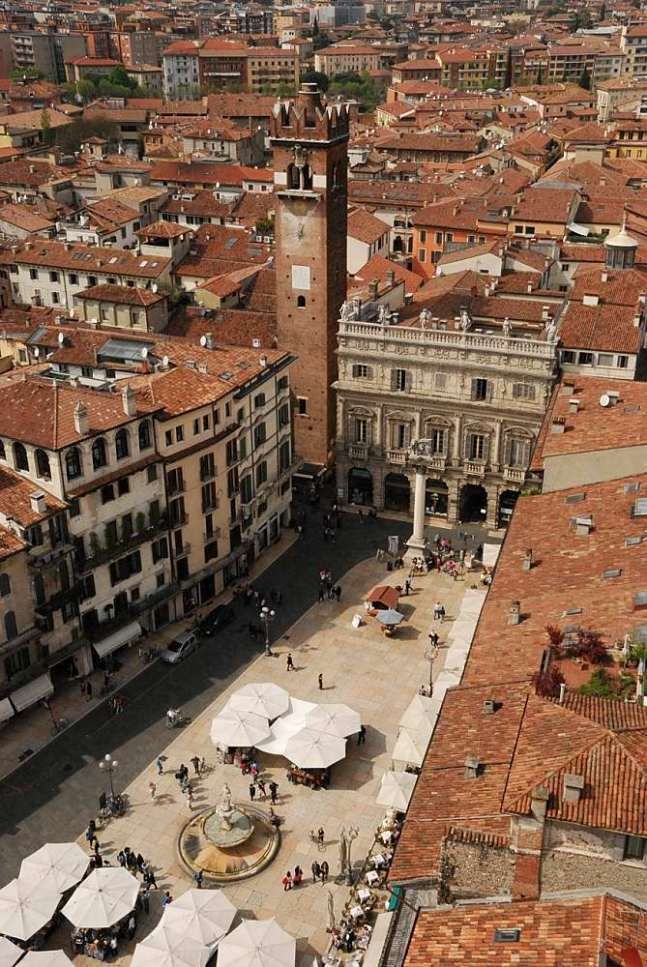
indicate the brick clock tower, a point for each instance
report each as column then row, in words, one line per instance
column 309, row 141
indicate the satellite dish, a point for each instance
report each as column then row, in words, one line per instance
column 165, row 361
column 605, row 400
column 144, row 353
column 61, row 338
column 203, row 341
column 36, row 352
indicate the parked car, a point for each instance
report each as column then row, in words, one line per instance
column 216, row 619
column 180, row 647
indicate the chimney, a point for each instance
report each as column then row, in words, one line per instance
column 209, row 340
column 527, row 559
column 81, row 420
column 568, row 386
column 373, row 288
column 573, row 405
column 262, row 362
column 514, row 613
column 573, row 787
column 558, row 425
column 562, row 692
column 128, row 401
column 529, row 287
column 37, row 501
column 539, row 802
column 604, row 277
column 390, row 277
column 489, row 706
column 545, row 313
column 472, row 766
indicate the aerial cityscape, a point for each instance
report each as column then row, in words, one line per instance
column 323, row 483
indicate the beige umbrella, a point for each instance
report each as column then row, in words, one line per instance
column 420, row 714
column 25, row 908
column 396, row 789
column 340, row 720
column 264, row 698
column 257, row 943
column 9, row 952
column 239, row 729
column 309, row 749
column 55, row 866
column 164, row 947
column 205, row 915
column 411, row 746
column 107, row 895
column 46, row 958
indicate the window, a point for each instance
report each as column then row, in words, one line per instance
column 99, row 454
column 360, row 430
column 634, row 848
column 3, row 455
column 87, row 587
column 125, row 567
column 75, row 507
column 622, row 362
column 400, row 380
column 144, row 434
column 179, row 434
column 107, row 494
column 159, row 549
column 360, row 371
column 476, row 448
column 585, row 359
column 33, row 273
column 518, row 452
column 282, row 383
column 210, row 551
column 232, row 452
column 209, row 501
column 205, row 422
column 285, row 456
column 21, row 460
column 168, row 437
column 242, row 447
column 42, row 465
column 423, row 236
column 261, row 473
column 259, row 400
column 175, row 481
column 73, row 464
column 5, row 585
column 207, row 467
column 151, row 473
column 400, row 434
column 196, row 427
column 176, row 512
column 123, row 486
column 422, row 255
column 605, row 359
column 126, row 526
column 481, row 389
column 260, row 434
column 438, row 440
column 111, row 535
column 284, row 414
column 523, row 391
column 10, row 626
column 74, row 279
column 302, row 405
column 121, row 444
column 246, row 493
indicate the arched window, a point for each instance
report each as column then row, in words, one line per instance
column 5, row 585
column 73, row 463
column 99, row 456
column 10, row 626
column 42, row 464
column 144, row 435
column 306, row 176
column 293, row 177
column 301, row 301
column 121, row 444
column 3, row 455
column 20, row 457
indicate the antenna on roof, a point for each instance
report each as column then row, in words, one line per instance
column 605, row 400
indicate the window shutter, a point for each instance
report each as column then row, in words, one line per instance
column 486, row 448
column 507, row 451
column 394, row 380
column 408, row 381
column 489, row 392
column 467, row 446
column 474, row 393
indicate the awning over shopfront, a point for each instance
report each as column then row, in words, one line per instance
column 6, row 710
column 122, row 637
column 33, row 692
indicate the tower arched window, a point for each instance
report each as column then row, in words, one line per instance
column 73, row 467
column 294, row 180
column 301, row 301
column 21, row 460
column 99, row 455
column 121, row 444
column 42, row 464
column 306, row 176
column 144, row 433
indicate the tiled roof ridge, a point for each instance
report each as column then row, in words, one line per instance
column 575, row 698
column 475, row 837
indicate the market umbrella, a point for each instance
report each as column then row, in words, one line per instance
column 390, row 617
column 281, row 730
column 310, row 749
column 257, row 943
column 46, row 958
column 411, row 746
column 264, row 699
column 55, row 866
column 396, row 789
column 105, row 897
column 233, row 728
column 9, row 952
column 205, row 915
column 340, row 720
column 165, row 947
column 25, row 908
column 421, row 713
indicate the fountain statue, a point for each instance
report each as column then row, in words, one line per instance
column 224, row 809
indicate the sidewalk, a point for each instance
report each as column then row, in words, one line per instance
column 33, row 728
column 378, row 677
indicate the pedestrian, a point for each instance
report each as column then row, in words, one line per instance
column 140, row 863
column 361, row 735
column 289, row 663
column 254, row 770
column 188, row 792
column 166, row 899
column 407, row 587
column 149, row 877
column 437, row 610
column 252, row 791
column 121, row 858
column 320, row 681
column 198, row 876
column 203, row 765
column 196, row 764
column 322, row 593
column 90, row 834
column 261, row 785
column 183, row 770
column 132, row 926
column 320, row 837
column 152, row 788
column 159, row 762
column 298, row 876
column 338, row 592
column 442, row 613
column 287, row 882
column 316, row 871
column 88, row 691
column 325, row 870
column 433, row 639
column 274, row 791
column 146, row 897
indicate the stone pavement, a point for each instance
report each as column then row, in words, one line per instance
column 375, row 675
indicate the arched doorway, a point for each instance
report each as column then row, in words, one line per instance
column 436, row 497
column 360, row 486
column 397, row 492
column 507, row 500
column 473, row 504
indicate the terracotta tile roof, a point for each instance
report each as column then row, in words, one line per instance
column 235, row 327
column 203, row 203
column 240, row 105
column 603, row 328
column 15, row 502
column 22, row 216
column 179, row 390
column 622, row 288
column 90, row 258
column 582, row 252
column 162, row 229
column 471, row 251
column 545, row 205
column 10, row 543
column 28, row 174
column 121, row 295
column 378, row 267
column 208, row 173
column 448, row 144
column 366, row 227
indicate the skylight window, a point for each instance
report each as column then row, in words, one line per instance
column 640, row 507
column 507, row 935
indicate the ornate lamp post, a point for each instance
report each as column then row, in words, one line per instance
column 108, row 765
column 431, row 653
column 267, row 616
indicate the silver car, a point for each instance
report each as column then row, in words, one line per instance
column 180, row 648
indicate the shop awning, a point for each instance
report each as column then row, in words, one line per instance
column 6, row 709
column 33, row 692
column 107, row 645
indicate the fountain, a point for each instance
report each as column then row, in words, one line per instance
column 228, row 842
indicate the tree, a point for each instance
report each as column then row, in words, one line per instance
column 70, row 137
column 26, row 74
column 46, row 127
column 319, row 41
column 316, row 77
column 362, row 88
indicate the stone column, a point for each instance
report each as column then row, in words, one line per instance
column 416, row 543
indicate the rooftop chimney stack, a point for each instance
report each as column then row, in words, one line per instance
column 128, row 401
column 81, row 420
column 37, row 501
column 527, row 559
column 539, row 802
column 472, row 767
column 514, row 613
column 573, row 787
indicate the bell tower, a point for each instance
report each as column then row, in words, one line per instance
column 309, row 142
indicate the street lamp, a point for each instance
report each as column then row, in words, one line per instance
column 351, row 835
column 267, row 616
column 109, row 765
column 431, row 654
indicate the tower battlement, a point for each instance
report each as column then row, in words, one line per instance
column 309, row 118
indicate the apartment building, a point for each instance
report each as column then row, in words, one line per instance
column 633, row 42
column 347, row 59
column 215, row 64
column 46, row 52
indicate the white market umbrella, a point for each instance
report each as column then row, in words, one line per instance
column 240, row 729
column 396, row 790
column 55, row 866
column 205, row 915
column 340, row 720
column 257, row 943
column 46, row 958
column 390, row 617
column 9, row 952
column 411, row 746
column 281, row 730
column 107, row 895
column 420, row 714
column 265, row 699
column 164, row 947
column 25, row 908
column 309, row 749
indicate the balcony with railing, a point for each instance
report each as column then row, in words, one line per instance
column 474, row 468
column 514, row 474
column 396, row 456
column 358, row 451
column 103, row 550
